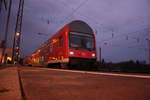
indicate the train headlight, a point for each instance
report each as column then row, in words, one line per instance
column 71, row 53
column 93, row 54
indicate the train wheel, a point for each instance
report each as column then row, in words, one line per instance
column 63, row 66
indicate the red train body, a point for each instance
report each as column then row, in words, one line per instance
column 73, row 44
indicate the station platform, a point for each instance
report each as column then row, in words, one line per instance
column 33, row 83
column 9, row 84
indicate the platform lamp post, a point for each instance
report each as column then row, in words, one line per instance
column 17, row 34
column 6, row 32
column 148, row 40
column 16, row 47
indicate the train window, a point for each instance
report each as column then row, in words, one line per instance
column 50, row 48
column 60, row 43
column 45, row 50
column 78, row 41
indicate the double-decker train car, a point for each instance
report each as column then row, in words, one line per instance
column 73, row 45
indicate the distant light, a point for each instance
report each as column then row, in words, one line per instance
column 71, row 53
column 39, row 50
column 17, row 33
column 9, row 58
column 17, row 47
column 93, row 54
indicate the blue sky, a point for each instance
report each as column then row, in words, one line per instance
column 121, row 26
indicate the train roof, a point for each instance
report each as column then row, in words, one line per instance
column 80, row 26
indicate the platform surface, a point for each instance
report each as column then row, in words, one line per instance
column 58, row 84
column 51, row 84
column 9, row 84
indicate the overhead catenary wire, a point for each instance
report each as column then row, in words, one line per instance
column 75, row 10
column 1, row 3
column 126, row 34
column 128, row 46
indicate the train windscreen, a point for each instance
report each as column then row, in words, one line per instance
column 81, row 41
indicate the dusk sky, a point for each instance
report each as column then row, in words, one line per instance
column 121, row 26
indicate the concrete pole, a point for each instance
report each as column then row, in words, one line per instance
column 6, row 31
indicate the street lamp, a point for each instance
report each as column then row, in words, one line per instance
column 17, row 33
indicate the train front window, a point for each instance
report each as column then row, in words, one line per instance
column 81, row 41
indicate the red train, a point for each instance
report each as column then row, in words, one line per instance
column 73, row 45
